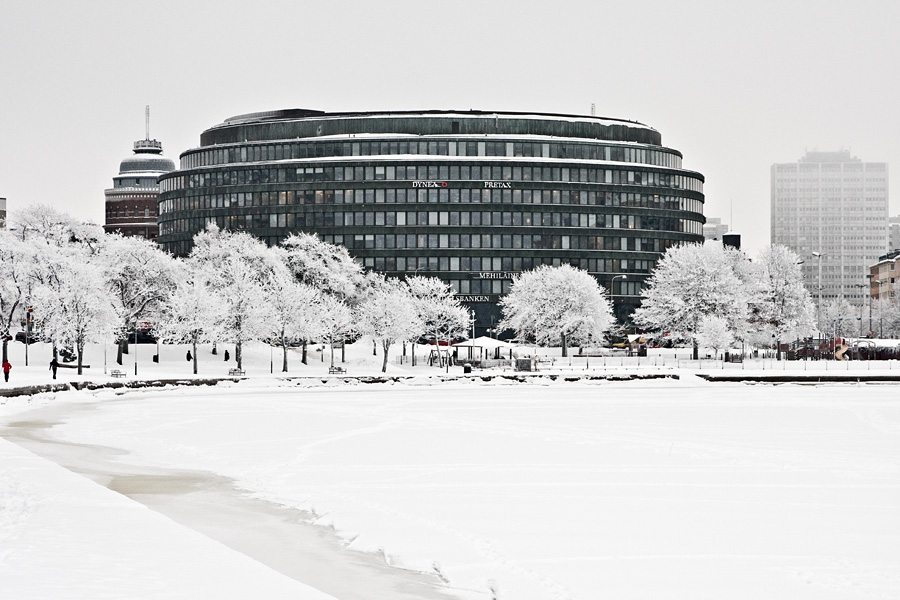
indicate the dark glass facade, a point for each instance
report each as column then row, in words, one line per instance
column 470, row 197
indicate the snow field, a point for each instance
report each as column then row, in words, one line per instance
column 558, row 491
column 65, row 537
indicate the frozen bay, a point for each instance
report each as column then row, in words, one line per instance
column 662, row 489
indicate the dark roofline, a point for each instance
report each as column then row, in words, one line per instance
column 303, row 113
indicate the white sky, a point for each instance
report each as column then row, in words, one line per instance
column 734, row 87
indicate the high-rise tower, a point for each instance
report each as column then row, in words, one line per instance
column 832, row 210
column 131, row 204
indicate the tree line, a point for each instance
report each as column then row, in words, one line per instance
column 83, row 285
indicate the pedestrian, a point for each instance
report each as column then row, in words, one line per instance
column 6, row 369
column 189, row 357
column 227, row 356
column 54, row 364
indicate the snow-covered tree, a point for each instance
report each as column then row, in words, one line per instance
column 76, row 307
column 690, row 282
column 335, row 320
column 326, row 267
column 556, row 304
column 785, row 306
column 715, row 332
column 17, row 264
column 441, row 314
column 139, row 278
column 43, row 222
column 239, row 266
column 190, row 314
column 839, row 318
column 388, row 314
column 292, row 307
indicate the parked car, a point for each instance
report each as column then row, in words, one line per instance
column 20, row 337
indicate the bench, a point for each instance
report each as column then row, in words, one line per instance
column 117, row 373
column 337, row 370
column 234, row 372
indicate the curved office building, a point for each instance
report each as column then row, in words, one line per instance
column 469, row 196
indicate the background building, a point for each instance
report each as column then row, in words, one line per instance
column 835, row 205
column 894, row 233
column 714, row 229
column 132, row 202
column 471, row 197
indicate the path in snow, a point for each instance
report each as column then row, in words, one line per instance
column 281, row 538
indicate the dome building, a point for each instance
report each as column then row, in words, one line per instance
column 472, row 197
column 132, row 202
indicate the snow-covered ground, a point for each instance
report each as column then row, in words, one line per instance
column 654, row 489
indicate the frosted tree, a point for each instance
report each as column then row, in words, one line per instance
column 689, row 283
column 238, row 265
column 335, row 320
column 715, row 332
column 191, row 311
column 18, row 261
column 388, row 314
column 139, row 277
column 785, row 306
column 294, row 311
column 556, row 304
column 327, row 267
column 839, row 318
column 76, row 308
column 441, row 314
column 42, row 222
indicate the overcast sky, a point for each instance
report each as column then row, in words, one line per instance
column 734, row 87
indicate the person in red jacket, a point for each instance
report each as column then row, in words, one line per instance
column 6, row 368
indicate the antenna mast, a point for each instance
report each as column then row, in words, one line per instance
column 147, row 115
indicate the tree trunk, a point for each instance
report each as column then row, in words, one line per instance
column 386, row 345
column 237, row 353
column 777, row 349
column 194, row 344
column 562, row 337
column 122, row 349
column 284, row 351
column 303, row 358
column 696, row 349
column 5, row 353
column 80, row 347
column 331, row 344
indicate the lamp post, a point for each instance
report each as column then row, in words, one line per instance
column 135, row 347
column 861, row 305
column 870, row 276
column 818, row 256
column 612, row 285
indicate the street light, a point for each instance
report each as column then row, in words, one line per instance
column 612, row 284
column 861, row 305
column 870, row 276
column 135, row 347
column 818, row 256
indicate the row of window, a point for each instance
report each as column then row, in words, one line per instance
column 459, row 219
column 440, row 173
column 502, row 286
column 439, row 240
column 114, row 212
column 430, row 196
column 242, row 153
